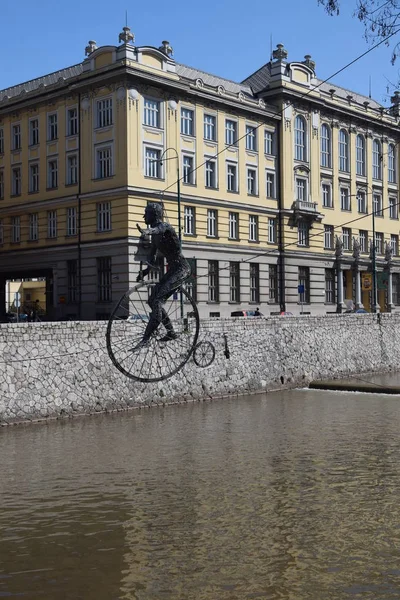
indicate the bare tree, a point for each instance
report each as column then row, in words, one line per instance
column 381, row 19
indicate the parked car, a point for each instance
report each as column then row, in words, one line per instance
column 137, row 318
column 246, row 313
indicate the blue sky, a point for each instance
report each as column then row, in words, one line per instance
column 227, row 38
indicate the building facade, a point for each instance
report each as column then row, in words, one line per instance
column 272, row 182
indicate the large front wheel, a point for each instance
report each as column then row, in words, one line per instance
column 159, row 359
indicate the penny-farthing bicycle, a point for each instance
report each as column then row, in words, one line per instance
column 158, row 360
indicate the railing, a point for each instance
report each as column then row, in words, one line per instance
column 306, row 206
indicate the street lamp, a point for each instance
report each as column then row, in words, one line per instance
column 374, row 283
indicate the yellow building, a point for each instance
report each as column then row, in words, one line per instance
column 270, row 170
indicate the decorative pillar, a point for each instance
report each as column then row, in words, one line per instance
column 375, row 302
column 388, row 269
column 356, row 270
column 339, row 272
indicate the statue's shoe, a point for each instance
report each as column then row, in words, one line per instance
column 142, row 344
column 171, row 335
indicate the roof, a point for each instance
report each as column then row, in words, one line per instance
column 34, row 84
column 212, row 80
column 259, row 80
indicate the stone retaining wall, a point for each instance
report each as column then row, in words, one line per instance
column 50, row 370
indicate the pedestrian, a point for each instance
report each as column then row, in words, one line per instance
column 257, row 312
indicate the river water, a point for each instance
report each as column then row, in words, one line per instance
column 292, row 495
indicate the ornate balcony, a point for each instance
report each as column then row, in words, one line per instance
column 304, row 210
column 303, row 206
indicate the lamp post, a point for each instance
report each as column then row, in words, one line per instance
column 374, row 286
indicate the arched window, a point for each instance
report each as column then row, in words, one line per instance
column 360, row 155
column 391, row 163
column 343, row 150
column 300, row 138
column 325, row 146
column 376, row 160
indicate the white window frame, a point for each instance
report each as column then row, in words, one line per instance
column 328, row 237
column 33, row 178
column 187, row 121
column 393, row 208
column 251, row 138
column 103, row 216
column 346, row 238
column 52, row 126
column 210, row 173
column 16, row 136
column 363, row 239
column 343, row 151
column 326, row 146
column 34, row 138
column 152, row 112
column 300, row 139
column 33, row 227
column 377, row 204
column 189, row 218
column 379, row 242
column 362, row 204
column 15, row 229
column 232, row 176
column 152, row 166
column 212, row 223
column 72, row 121
column 303, row 233
column 188, row 169
column 104, row 112
column 16, row 181
column 252, row 187
column 301, row 197
column 345, row 200
column 271, row 230
column 268, row 142
column 270, row 184
column 72, row 221
column 51, row 224
column 392, row 171
column 231, row 132
column 72, row 171
column 210, row 128
column 394, row 243
column 327, row 201
column 52, row 173
column 104, row 164
column 377, row 160
column 233, row 226
column 253, row 228
column 360, row 156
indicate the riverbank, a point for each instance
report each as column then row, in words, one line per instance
column 59, row 370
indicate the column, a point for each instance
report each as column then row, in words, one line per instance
column 340, row 300
column 357, row 276
column 390, row 305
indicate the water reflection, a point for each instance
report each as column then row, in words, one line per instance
column 293, row 495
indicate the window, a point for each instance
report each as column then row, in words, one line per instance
column 33, row 178
column 233, row 226
column 231, row 171
column 393, row 208
column 362, row 202
column 376, row 160
column 328, row 237
column 72, row 281
column 343, row 150
column 212, row 223
column 104, row 216
column 345, row 203
column 268, row 142
column 210, row 128
column 327, row 195
column 1, row 232
column 191, row 282
column 188, row 169
column 1, row 184
column 330, row 286
column 16, row 137
column 270, row 183
column 234, row 282
column 52, row 127
column 271, row 231
column 325, row 146
column 363, row 239
column 213, row 281
column 187, row 121
column 303, row 233
column 254, row 282
column 189, row 221
column 394, row 244
column 52, row 174
column 1, row 140
column 211, row 174
column 346, row 238
column 72, row 169
column 151, row 115
column 33, row 132
column 391, row 163
column 378, row 242
column 273, row 283
column 153, row 167
column 72, row 228
column 251, row 138
column 16, row 181
column 230, row 132
column 51, row 223
column 360, row 155
column 104, row 162
column 33, row 227
column 252, row 182
column 72, row 121
column 104, row 279
column 301, row 189
column 15, row 229
column 377, row 208
column 253, row 228
column 300, row 138
column 396, row 288
column 304, row 280
column 104, row 112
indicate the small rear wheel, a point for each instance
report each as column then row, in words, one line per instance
column 204, row 354
column 159, row 359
